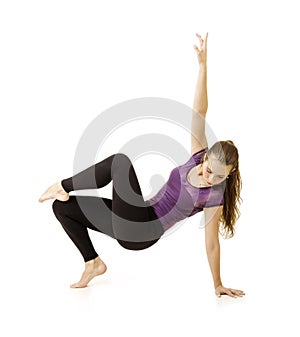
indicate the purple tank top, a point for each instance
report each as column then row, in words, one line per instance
column 178, row 199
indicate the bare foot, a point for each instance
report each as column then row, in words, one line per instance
column 92, row 268
column 55, row 191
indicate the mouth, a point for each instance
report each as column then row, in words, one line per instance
column 208, row 183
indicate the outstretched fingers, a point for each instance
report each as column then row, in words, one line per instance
column 203, row 43
column 201, row 49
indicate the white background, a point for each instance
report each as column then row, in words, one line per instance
column 64, row 62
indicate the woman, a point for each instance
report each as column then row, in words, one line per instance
column 208, row 181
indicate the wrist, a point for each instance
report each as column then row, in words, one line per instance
column 202, row 66
column 218, row 284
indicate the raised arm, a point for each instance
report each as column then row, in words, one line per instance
column 200, row 99
column 198, row 138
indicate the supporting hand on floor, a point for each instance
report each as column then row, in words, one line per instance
column 220, row 290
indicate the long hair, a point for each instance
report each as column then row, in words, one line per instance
column 227, row 153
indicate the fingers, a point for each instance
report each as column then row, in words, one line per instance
column 230, row 292
column 197, row 49
column 199, row 37
column 206, row 36
column 203, row 43
column 200, row 40
column 237, row 292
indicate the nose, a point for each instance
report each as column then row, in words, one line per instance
column 210, row 179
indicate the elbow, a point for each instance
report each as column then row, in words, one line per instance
column 201, row 111
column 212, row 245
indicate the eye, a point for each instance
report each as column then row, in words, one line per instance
column 221, row 177
column 208, row 170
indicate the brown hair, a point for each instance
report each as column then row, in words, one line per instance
column 226, row 152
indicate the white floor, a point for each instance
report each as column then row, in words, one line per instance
column 165, row 289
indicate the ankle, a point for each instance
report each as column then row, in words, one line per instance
column 89, row 263
column 61, row 189
column 98, row 261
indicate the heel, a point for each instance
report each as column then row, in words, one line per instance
column 64, row 197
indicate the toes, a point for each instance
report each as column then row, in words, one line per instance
column 78, row 285
column 43, row 198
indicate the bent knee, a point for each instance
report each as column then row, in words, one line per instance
column 121, row 156
column 120, row 161
column 57, row 206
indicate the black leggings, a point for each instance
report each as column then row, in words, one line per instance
column 128, row 218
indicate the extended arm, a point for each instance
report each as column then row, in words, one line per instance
column 200, row 105
column 212, row 216
column 200, row 99
column 212, row 243
column 213, row 255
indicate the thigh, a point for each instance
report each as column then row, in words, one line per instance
column 93, row 212
column 132, row 219
column 127, row 198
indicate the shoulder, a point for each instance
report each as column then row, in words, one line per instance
column 198, row 155
column 212, row 219
column 213, row 213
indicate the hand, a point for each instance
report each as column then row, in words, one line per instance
column 220, row 290
column 202, row 50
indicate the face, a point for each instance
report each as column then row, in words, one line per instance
column 213, row 171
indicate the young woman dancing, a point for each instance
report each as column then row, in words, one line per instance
column 209, row 181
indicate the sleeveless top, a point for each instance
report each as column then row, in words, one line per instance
column 178, row 199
